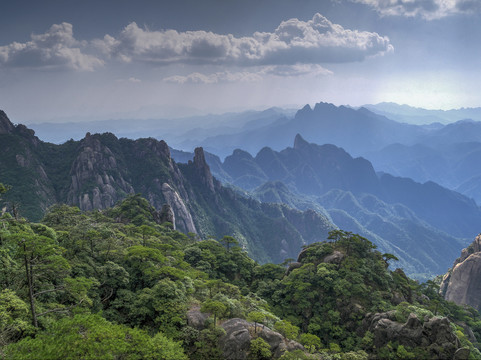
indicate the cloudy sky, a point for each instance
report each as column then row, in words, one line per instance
column 64, row 60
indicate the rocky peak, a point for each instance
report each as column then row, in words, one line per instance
column 300, row 143
column 96, row 180
column 202, row 169
column 463, row 283
column 6, row 126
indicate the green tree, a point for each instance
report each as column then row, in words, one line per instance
column 256, row 317
column 287, row 329
column 259, row 349
column 93, row 337
column 228, row 242
column 14, row 317
column 310, row 341
column 43, row 265
column 215, row 307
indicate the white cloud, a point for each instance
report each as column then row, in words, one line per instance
column 250, row 76
column 218, row 77
column 296, row 70
column 427, row 9
column 293, row 42
column 57, row 48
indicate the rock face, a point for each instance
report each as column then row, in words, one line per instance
column 239, row 333
column 5, row 125
column 435, row 334
column 463, row 283
column 167, row 215
column 97, row 182
column 184, row 218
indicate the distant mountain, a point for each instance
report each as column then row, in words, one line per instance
column 191, row 130
column 419, row 116
column 421, row 223
column 357, row 131
column 453, row 165
column 99, row 170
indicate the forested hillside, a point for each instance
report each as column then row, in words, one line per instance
column 117, row 284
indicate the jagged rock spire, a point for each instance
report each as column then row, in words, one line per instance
column 202, row 169
column 6, row 125
column 299, row 142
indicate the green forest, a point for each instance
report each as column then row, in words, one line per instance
column 114, row 284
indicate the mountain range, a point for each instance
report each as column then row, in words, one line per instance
column 99, row 170
column 423, row 224
column 420, row 223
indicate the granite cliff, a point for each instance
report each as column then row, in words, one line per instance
column 462, row 284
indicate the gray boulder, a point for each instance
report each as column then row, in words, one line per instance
column 235, row 343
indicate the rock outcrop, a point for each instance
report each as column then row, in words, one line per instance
column 6, row 125
column 239, row 333
column 203, row 170
column 463, row 283
column 96, row 180
column 184, row 220
column 434, row 334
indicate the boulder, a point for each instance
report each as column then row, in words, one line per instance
column 196, row 318
column 235, row 343
column 435, row 334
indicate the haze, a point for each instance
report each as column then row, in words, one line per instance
column 69, row 60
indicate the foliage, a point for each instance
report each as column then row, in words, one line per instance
column 259, row 349
column 93, row 337
column 287, row 329
column 118, row 284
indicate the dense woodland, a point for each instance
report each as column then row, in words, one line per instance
column 115, row 284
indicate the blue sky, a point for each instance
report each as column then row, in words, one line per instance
column 68, row 60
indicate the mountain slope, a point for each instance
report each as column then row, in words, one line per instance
column 99, row 170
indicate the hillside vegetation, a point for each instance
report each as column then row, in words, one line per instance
column 116, row 284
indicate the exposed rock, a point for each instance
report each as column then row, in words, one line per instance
column 6, row 125
column 96, row 181
column 196, row 318
column 167, row 215
column 202, row 169
column 463, row 284
column 183, row 218
column 435, row 334
column 293, row 266
column 299, row 142
column 335, row 258
column 397, row 298
column 236, row 342
column 461, row 354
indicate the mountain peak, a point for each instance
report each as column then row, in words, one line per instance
column 203, row 169
column 6, row 126
column 299, row 142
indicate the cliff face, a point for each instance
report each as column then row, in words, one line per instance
column 462, row 284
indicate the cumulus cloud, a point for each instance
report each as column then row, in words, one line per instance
column 293, row 42
column 56, row 48
column 427, row 9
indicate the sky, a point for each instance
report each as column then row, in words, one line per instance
column 72, row 60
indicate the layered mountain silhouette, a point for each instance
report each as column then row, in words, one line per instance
column 99, row 170
column 422, row 224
